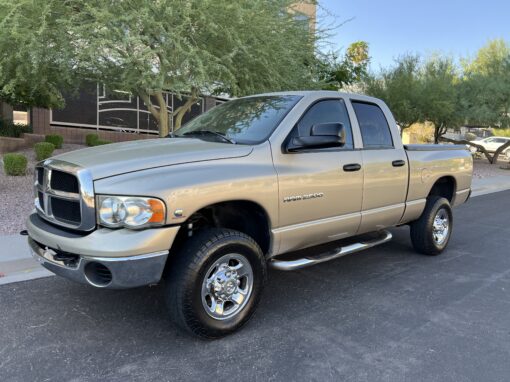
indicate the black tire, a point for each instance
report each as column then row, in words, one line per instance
column 183, row 284
column 422, row 231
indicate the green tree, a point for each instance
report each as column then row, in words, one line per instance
column 486, row 86
column 36, row 59
column 336, row 71
column 492, row 55
column 400, row 88
column 440, row 95
column 485, row 89
column 146, row 47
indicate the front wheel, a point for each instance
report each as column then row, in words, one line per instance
column 431, row 232
column 215, row 282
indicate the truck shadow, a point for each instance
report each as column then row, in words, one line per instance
column 289, row 296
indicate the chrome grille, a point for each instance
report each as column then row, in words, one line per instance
column 64, row 195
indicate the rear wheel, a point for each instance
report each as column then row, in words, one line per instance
column 215, row 282
column 431, row 233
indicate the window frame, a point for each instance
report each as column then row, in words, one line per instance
column 324, row 149
column 355, row 101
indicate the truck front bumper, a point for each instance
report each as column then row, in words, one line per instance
column 105, row 258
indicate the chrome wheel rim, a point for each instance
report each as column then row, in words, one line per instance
column 441, row 226
column 227, row 286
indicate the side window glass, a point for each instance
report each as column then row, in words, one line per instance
column 327, row 111
column 374, row 127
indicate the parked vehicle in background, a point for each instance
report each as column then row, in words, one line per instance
column 491, row 144
column 249, row 184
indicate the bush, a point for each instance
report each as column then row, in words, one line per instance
column 43, row 150
column 470, row 136
column 91, row 139
column 15, row 164
column 13, row 130
column 501, row 132
column 55, row 139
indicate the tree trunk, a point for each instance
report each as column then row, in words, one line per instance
column 465, row 142
column 439, row 131
column 499, row 151
column 161, row 117
column 182, row 110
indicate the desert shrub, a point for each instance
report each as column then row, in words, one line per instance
column 43, row 150
column 501, row 132
column 15, row 164
column 91, row 139
column 469, row 136
column 55, row 139
column 94, row 140
column 13, row 130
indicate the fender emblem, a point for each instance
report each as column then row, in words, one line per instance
column 295, row 198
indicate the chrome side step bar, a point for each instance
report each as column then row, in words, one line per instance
column 291, row 265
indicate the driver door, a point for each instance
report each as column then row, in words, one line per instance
column 320, row 190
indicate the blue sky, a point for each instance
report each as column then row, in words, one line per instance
column 394, row 27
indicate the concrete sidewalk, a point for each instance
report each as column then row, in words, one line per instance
column 491, row 184
column 17, row 264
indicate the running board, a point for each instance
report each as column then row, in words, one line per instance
column 291, row 265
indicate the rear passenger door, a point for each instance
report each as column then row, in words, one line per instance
column 385, row 168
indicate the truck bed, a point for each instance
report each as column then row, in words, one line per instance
column 432, row 147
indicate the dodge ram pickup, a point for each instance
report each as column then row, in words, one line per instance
column 283, row 180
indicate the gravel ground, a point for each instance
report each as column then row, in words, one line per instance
column 483, row 169
column 16, row 193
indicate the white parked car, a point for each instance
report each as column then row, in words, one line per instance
column 491, row 144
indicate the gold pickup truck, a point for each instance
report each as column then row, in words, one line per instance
column 285, row 180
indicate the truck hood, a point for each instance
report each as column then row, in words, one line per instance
column 120, row 158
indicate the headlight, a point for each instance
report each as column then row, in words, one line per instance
column 129, row 211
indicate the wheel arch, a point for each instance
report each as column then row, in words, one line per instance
column 241, row 215
column 445, row 186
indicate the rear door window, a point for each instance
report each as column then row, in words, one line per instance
column 373, row 125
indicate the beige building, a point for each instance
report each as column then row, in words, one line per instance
column 306, row 11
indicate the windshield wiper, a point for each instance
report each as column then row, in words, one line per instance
column 223, row 137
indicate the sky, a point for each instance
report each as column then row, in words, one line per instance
column 394, row 27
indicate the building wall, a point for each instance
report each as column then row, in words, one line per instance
column 5, row 111
column 308, row 8
column 40, row 120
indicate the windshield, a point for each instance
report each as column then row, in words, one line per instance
column 245, row 120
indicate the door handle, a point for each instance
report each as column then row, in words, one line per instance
column 398, row 163
column 352, row 167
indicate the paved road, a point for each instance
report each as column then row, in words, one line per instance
column 387, row 314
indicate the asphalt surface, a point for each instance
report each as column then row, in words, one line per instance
column 387, row 314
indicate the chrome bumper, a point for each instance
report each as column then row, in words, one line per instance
column 104, row 258
column 103, row 272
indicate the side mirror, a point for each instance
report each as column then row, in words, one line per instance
column 323, row 135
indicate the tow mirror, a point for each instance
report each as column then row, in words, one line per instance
column 323, row 135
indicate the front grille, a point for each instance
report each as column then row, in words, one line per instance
column 40, row 175
column 65, row 195
column 62, row 181
column 66, row 210
column 40, row 196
